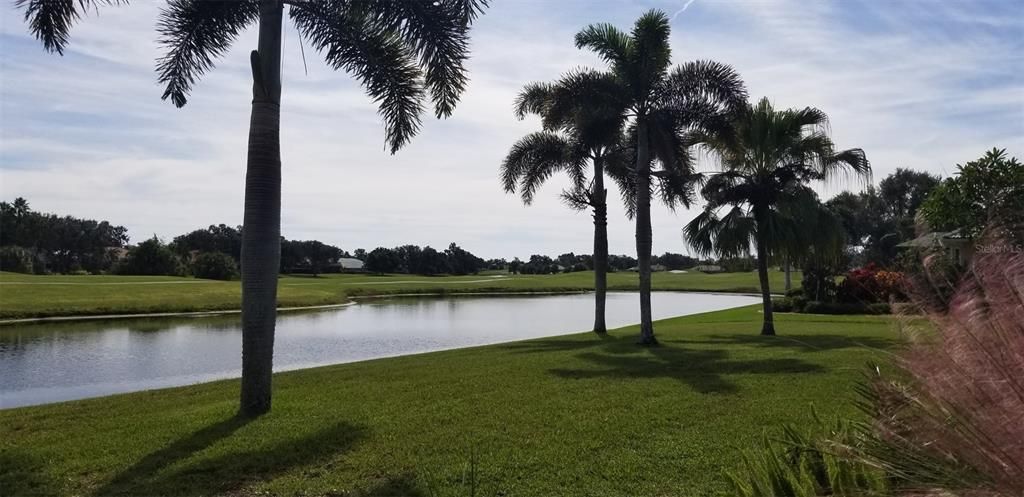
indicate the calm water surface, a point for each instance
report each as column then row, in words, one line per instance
column 51, row 362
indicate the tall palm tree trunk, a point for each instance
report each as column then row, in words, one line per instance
column 600, row 198
column 643, row 231
column 768, row 328
column 261, row 228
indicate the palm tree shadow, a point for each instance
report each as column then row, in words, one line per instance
column 703, row 370
column 168, row 471
column 802, row 343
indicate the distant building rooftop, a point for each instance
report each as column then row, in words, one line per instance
column 350, row 263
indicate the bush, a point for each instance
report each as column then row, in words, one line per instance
column 782, row 304
column 15, row 259
column 215, row 266
column 150, row 258
column 795, row 292
column 816, row 307
column 880, row 308
column 871, row 284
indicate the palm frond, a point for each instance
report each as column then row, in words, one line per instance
column 436, row 32
column 535, row 158
column 50, row 20
column 727, row 236
column 588, row 103
column 652, row 54
column 193, row 34
column 610, row 43
column 380, row 60
column 532, row 99
column 708, row 81
column 578, row 198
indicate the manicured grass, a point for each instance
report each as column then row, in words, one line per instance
column 574, row 415
column 38, row 296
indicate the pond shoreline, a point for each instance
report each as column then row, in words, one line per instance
column 351, row 300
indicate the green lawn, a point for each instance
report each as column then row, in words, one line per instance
column 37, row 296
column 574, row 415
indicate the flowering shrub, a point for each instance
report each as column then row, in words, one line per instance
column 951, row 418
column 870, row 284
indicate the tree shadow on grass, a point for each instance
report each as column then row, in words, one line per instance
column 703, row 370
column 24, row 474
column 802, row 343
column 154, row 475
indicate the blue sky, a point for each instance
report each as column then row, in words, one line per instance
column 918, row 84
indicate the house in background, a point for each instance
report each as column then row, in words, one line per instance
column 349, row 265
column 957, row 246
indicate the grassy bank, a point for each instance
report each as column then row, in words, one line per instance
column 574, row 415
column 24, row 296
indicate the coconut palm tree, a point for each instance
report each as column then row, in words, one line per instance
column 767, row 159
column 403, row 53
column 662, row 103
column 582, row 120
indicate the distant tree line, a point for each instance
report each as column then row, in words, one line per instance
column 34, row 242
column 411, row 259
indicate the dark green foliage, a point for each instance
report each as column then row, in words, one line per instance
column 309, row 256
column 877, row 219
column 816, row 307
column 15, row 259
column 150, row 258
column 215, row 266
column 60, row 244
column 461, row 261
column 819, row 280
column 675, row 261
column 986, row 190
column 383, row 260
column 216, row 238
column 784, row 305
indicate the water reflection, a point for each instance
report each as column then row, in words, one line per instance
column 49, row 362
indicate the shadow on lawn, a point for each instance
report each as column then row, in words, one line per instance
column 702, row 369
column 803, row 343
column 154, row 475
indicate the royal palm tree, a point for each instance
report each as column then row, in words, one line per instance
column 582, row 120
column 767, row 159
column 662, row 104
column 403, row 53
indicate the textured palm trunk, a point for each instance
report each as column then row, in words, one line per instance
column 600, row 198
column 643, row 231
column 768, row 328
column 261, row 228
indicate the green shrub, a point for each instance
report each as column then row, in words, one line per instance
column 816, row 307
column 879, row 308
column 150, row 258
column 782, row 305
column 795, row 292
column 215, row 266
column 819, row 462
column 799, row 302
column 15, row 259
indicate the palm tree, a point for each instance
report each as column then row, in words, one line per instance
column 399, row 51
column 662, row 105
column 582, row 120
column 767, row 158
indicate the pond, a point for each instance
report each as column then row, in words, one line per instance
column 57, row 361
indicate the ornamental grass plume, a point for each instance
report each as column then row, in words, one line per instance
column 950, row 420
